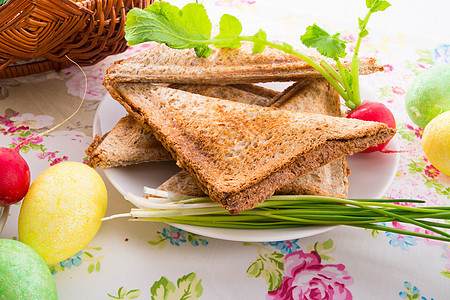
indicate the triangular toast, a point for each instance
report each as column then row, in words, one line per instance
column 240, row 154
column 129, row 143
column 330, row 180
column 162, row 64
column 315, row 96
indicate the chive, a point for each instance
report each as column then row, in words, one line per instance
column 284, row 211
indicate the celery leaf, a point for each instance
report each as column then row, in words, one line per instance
column 328, row 45
column 164, row 23
column 259, row 45
column 377, row 5
column 230, row 29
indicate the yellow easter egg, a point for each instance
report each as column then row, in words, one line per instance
column 436, row 142
column 62, row 210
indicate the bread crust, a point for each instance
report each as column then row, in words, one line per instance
column 162, row 64
column 204, row 135
column 129, row 143
column 113, row 148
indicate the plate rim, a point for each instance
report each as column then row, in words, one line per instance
column 227, row 233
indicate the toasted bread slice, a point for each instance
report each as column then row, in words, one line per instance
column 240, row 154
column 330, row 180
column 129, row 143
column 161, row 64
column 315, row 96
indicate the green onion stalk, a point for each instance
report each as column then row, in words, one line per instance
column 287, row 211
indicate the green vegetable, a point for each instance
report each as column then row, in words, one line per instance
column 294, row 211
column 190, row 27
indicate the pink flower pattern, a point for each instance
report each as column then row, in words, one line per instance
column 305, row 277
column 431, row 171
column 398, row 90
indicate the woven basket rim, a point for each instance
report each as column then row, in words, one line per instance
column 89, row 30
column 73, row 4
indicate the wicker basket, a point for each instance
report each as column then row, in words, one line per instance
column 35, row 35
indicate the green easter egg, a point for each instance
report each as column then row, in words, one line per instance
column 429, row 95
column 23, row 273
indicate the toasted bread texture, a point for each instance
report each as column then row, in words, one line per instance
column 161, row 64
column 315, row 96
column 240, row 154
column 129, row 143
column 330, row 180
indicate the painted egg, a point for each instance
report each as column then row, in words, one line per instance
column 62, row 210
column 436, row 142
column 428, row 95
column 23, row 273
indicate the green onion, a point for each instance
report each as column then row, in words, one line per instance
column 284, row 211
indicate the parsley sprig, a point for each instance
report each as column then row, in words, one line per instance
column 190, row 27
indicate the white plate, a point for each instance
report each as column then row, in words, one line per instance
column 371, row 175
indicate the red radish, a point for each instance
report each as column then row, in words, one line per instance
column 15, row 178
column 374, row 111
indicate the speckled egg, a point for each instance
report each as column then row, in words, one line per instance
column 23, row 273
column 62, row 210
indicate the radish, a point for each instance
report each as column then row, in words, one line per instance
column 15, row 178
column 374, row 111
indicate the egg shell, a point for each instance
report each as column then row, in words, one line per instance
column 23, row 273
column 436, row 142
column 62, row 210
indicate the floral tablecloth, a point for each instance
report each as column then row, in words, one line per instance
column 130, row 260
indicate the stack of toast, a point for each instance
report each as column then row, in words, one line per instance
column 235, row 141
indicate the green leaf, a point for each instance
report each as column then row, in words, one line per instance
column 162, row 289
column 25, row 149
column 189, row 286
column 379, row 5
column 164, row 23
column 277, row 263
column 361, row 24
column 327, row 45
column 35, row 146
column 258, row 47
column 122, row 292
column 157, row 242
column 255, row 269
column 363, row 33
column 230, row 29
column 91, row 268
column 328, row 244
column 446, row 274
column 273, row 279
column 369, row 3
column 97, row 267
column 425, row 56
column 133, row 294
column 25, row 133
column 416, row 167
